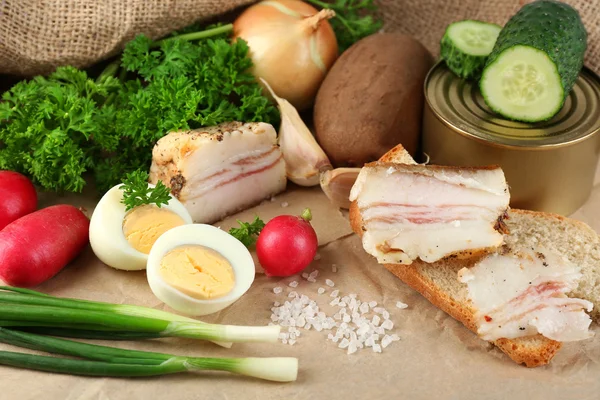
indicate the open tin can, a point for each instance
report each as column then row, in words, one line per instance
column 549, row 166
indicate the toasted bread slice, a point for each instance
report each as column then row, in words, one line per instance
column 439, row 284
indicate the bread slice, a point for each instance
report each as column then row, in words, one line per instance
column 439, row 284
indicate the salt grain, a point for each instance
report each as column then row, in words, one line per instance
column 344, row 343
column 376, row 319
column 293, row 284
column 277, row 290
column 372, row 304
column 401, row 305
column 333, row 268
column 314, row 274
column 387, row 324
column 335, row 293
column 305, row 275
column 317, row 257
column 376, row 348
column 364, row 308
column 386, row 341
column 311, row 280
column 352, row 348
column 321, row 290
column 284, row 204
column 329, row 283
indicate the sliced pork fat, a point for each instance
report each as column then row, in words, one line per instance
column 429, row 212
column 523, row 293
column 220, row 170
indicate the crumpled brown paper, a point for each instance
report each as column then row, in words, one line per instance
column 436, row 358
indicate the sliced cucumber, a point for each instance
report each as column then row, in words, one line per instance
column 466, row 45
column 524, row 85
column 535, row 62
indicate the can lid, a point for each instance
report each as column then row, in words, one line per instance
column 459, row 104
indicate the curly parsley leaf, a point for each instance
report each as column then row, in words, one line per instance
column 137, row 192
column 49, row 127
column 354, row 20
column 248, row 232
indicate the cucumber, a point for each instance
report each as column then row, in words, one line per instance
column 535, row 62
column 466, row 45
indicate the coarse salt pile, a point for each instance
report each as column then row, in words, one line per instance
column 355, row 325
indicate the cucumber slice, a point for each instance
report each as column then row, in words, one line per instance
column 524, row 84
column 535, row 62
column 466, row 45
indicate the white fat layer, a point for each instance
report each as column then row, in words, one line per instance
column 412, row 212
column 429, row 243
column 224, row 176
column 403, row 186
column 212, row 205
column 522, row 294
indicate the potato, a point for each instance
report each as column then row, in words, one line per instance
column 372, row 99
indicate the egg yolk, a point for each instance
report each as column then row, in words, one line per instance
column 197, row 271
column 143, row 225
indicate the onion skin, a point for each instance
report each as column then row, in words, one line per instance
column 17, row 197
column 280, row 47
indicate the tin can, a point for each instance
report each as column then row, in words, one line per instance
column 549, row 166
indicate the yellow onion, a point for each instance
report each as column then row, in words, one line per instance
column 291, row 45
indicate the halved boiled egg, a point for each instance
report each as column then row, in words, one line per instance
column 123, row 239
column 199, row 269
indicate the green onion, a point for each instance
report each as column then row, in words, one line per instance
column 19, row 308
column 87, row 334
column 108, row 361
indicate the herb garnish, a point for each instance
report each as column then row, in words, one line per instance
column 248, row 232
column 136, row 191
column 354, row 20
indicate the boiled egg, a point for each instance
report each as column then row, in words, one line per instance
column 123, row 239
column 199, row 269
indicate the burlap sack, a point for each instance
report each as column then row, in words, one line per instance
column 38, row 35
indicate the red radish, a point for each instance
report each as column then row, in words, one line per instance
column 17, row 197
column 37, row 246
column 287, row 244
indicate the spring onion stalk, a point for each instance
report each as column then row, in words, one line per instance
column 10, row 294
column 108, row 361
column 16, row 314
column 87, row 334
column 29, row 308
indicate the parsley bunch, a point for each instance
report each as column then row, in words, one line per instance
column 56, row 129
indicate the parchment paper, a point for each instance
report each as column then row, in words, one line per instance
column 436, row 358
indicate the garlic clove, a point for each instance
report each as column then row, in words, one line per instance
column 304, row 158
column 337, row 183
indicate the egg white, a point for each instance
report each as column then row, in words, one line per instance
column 213, row 238
column 106, row 231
